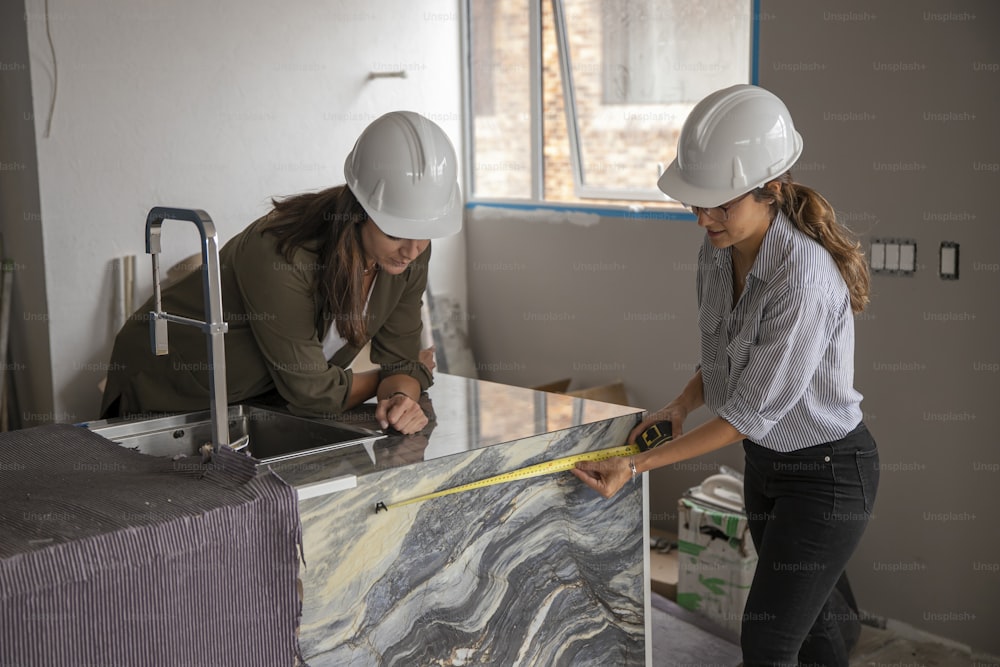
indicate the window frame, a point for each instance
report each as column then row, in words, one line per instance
column 633, row 201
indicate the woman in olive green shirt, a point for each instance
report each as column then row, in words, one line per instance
column 305, row 287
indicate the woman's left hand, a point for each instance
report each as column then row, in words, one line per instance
column 401, row 413
column 606, row 477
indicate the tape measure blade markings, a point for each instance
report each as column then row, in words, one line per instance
column 537, row 470
column 656, row 434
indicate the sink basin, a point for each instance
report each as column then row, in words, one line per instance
column 273, row 436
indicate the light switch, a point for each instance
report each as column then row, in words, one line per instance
column 877, row 256
column 949, row 260
column 892, row 257
column 907, row 257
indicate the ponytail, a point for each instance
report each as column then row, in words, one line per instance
column 812, row 214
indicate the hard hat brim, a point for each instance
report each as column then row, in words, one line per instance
column 408, row 228
column 673, row 184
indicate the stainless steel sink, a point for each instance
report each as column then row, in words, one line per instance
column 273, row 436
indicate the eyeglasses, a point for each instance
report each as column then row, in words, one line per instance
column 718, row 213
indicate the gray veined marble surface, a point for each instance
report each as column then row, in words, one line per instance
column 538, row 571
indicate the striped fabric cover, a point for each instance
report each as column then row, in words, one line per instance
column 109, row 557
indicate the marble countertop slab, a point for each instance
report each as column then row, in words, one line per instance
column 535, row 571
column 465, row 415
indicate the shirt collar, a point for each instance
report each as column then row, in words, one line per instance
column 774, row 249
column 779, row 236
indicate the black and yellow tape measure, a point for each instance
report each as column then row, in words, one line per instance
column 656, row 434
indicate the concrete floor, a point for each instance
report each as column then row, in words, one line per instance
column 876, row 648
column 884, row 647
column 684, row 639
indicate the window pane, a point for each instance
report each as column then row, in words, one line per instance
column 501, row 98
column 558, row 168
column 638, row 67
column 666, row 51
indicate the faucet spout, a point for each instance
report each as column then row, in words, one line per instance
column 214, row 326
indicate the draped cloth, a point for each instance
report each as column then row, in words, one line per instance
column 112, row 557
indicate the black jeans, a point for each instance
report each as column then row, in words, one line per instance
column 807, row 510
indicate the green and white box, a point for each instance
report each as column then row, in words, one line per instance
column 716, row 562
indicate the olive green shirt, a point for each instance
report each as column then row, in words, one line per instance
column 272, row 344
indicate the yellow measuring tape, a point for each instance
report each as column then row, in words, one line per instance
column 654, row 435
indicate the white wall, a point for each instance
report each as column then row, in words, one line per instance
column 28, row 364
column 216, row 106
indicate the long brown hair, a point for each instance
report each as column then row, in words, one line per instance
column 812, row 214
column 329, row 223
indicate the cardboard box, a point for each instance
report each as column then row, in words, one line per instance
column 716, row 562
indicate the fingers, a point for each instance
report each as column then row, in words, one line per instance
column 633, row 435
column 605, row 477
column 671, row 412
column 676, row 424
column 401, row 413
column 591, row 479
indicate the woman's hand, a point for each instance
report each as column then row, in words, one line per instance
column 674, row 412
column 606, row 477
column 400, row 412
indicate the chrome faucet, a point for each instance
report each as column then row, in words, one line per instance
column 213, row 326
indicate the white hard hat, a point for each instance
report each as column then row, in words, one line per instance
column 736, row 139
column 404, row 173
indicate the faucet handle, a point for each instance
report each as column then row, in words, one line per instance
column 158, row 334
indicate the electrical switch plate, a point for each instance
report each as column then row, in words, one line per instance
column 894, row 256
column 949, row 260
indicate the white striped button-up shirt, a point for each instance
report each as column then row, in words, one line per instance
column 779, row 366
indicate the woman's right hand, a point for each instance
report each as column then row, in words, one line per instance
column 673, row 412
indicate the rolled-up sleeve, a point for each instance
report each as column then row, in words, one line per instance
column 280, row 308
column 794, row 334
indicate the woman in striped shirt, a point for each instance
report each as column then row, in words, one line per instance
column 779, row 282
